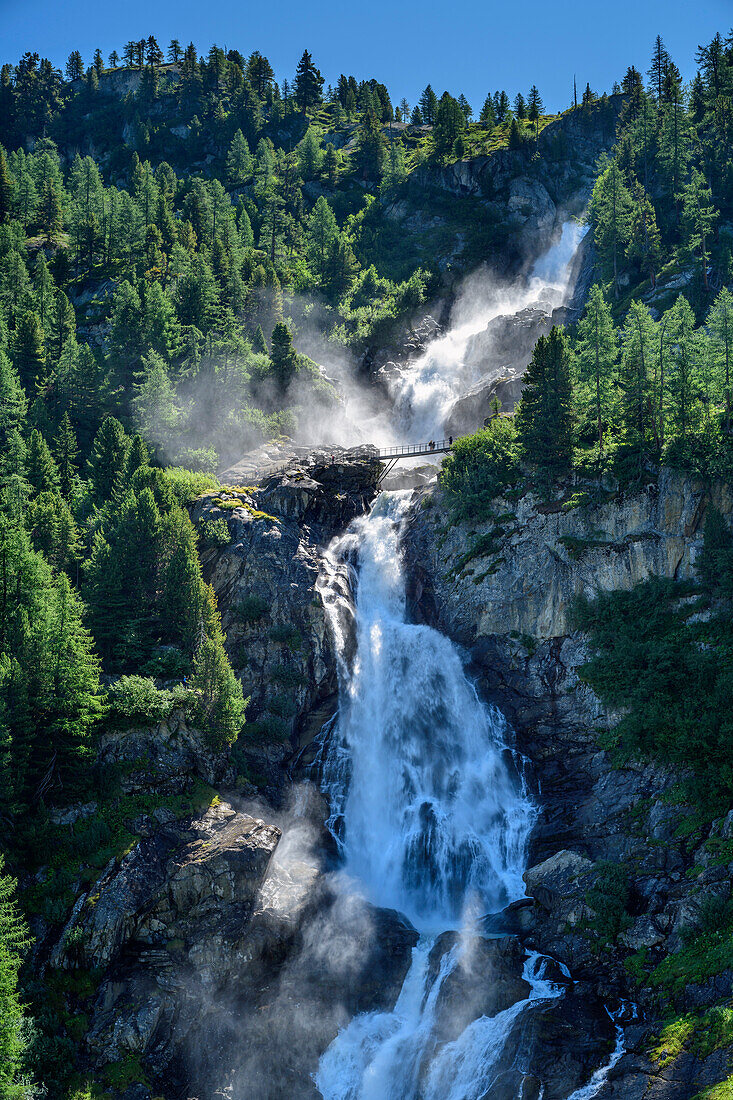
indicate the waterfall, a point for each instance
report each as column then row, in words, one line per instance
column 427, row 805
column 425, row 393
column 432, row 818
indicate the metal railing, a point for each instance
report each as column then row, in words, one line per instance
column 435, row 446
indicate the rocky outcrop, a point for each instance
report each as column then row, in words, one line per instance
column 265, row 583
column 505, row 591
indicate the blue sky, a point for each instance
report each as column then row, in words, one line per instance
column 466, row 46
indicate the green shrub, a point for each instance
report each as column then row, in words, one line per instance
column 286, row 634
column 199, row 460
column 672, row 677
column 138, row 699
column 189, row 484
column 479, row 468
column 215, row 532
column 251, row 609
column 608, row 898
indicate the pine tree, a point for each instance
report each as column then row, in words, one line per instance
column 41, row 470
column 74, row 66
column 720, row 325
column 310, row 153
column 644, row 239
column 107, row 459
column 487, row 118
column 597, row 352
column 658, row 69
column 6, row 189
column 220, row 706
column 610, row 213
column 535, row 107
column 283, row 355
column 428, row 106
column 544, row 417
column 330, row 165
column 66, row 450
column 308, row 83
column 259, row 344
column 639, row 343
column 28, row 352
column 698, row 218
column 239, row 159
column 137, row 457
column 14, row 942
column 322, row 232
column 370, row 149
column 13, row 403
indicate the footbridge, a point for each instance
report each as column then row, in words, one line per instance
column 392, row 456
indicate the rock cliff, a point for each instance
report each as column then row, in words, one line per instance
column 504, row 590
column 265, row 582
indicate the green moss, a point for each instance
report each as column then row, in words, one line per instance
column 129, row 1071
column 576, row 547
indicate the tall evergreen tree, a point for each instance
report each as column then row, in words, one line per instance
column 544, row 417
column 308, row 83
column 66, row 451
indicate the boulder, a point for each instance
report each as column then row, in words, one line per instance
column 559, row 879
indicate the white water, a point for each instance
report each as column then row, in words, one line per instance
column 424, row 395
column 433, row 822
column 430, row 814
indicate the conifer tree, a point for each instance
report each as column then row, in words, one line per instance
column 41, row 470
column 610, row 213
column 308, row 83
column 239, row 159
column 639, row 343
column 428, row 106
column 644, row 238
column 259, row 344
column 137, row 457
column 322, row 232
column 66, row 450
column 544, row 417
column 14, row 942
column 107, row 459
column 699, row 217
column 597, row 352
column 535, row 107
column 6, row 189
column 29, row 353
column 720, row 325
column 283, row 355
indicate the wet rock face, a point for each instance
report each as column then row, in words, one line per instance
column 187, row 881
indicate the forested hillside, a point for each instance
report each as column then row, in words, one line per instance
column 172, row 228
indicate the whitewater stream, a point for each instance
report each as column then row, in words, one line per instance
column 427, row 803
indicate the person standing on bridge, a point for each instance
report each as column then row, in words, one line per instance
column 431, row 445
column 450, row 440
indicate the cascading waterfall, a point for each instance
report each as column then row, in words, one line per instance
column 431, row 817
column 424, row 395
column 433, row 820
column 428, row 808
